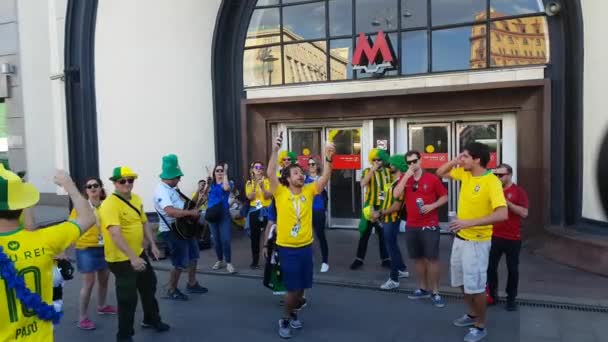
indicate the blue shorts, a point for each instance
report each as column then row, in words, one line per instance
column 297, row 267
column 90, row 260
column 183, row 252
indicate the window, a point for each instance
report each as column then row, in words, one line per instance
column 304, row 41
column 3, row 134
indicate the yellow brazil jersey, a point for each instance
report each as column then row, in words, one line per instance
column 92, row 237
column 479, row 197
column 389, row 200
column 292, row 232
column 259, row 196
column 32, row 251
column 114, row 212
column 374, row 194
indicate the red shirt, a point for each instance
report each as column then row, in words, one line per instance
column 511, row 228
column 429, row 189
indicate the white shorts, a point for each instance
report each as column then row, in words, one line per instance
column 469, row 265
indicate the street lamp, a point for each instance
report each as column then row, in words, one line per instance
column 269, row 61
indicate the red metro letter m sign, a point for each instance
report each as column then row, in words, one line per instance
column 374, row 57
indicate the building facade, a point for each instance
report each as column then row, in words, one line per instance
column 215, row 80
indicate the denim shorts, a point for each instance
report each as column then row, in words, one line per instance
column 297, row 267
column 183, row 252
column 90, row 260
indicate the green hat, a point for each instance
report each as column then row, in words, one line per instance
column 398, row 161
column 171, row 167
column 122, row 172
column 15, row 193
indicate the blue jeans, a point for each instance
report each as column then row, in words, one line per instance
column 222, row 231
column 391, row 230
column 318, row 225
column 184, row 252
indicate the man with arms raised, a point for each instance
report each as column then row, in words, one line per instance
column 481, row 203
column 294, row 202
column 26, row 258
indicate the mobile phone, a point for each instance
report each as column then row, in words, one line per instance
column 281, row 134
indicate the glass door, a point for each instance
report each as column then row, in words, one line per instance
column 306, row 144
column 344, row 187
column 434, row 142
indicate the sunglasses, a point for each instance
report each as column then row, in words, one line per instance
column 126, row 180
column 92, row 186
column 312, row 163
column 219, row 171
column 377, row 160
column 410, row 162
column 286, row 159
column 415, row 187
column 500, row 174
column 259, row 167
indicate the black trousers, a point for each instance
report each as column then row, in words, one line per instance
column 257, row 227
column 511, row 249
column 128, row 284
column 364, row 239
column 318, row 225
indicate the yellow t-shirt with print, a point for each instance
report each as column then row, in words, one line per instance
column 479, row 197
column 259, row 196
column 286, row 202
column 114, row 212
column 92, row 237
column 32, row 252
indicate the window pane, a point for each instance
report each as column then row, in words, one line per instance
column 341, row 54
column 413, row 13
column 459, row 48
column 414, row 52
column 521, row 41
column 376, row 15
column 295, row 1
column 340, row 17
column 3, row 132
column 382, row 134
column 392, row 40
column 304, row 21
column 305, row 62
column 501, row 8
column 263, row 27
column 262, row 67
column 267, row 2
column 446, row 12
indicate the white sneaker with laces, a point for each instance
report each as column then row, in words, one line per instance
column 475, row 335
column 230, row 268
column 324, row 268
column 218, row 264
column 390, row 285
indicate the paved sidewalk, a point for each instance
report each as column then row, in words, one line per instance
column 540, row 279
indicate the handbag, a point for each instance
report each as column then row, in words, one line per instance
column 214, row 214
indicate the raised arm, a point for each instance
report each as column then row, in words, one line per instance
column 368, row 176
column 324, row 179
column 444, row 170
column 271, row 172
column 86, row 215
column 400, row 188
column 226, row 181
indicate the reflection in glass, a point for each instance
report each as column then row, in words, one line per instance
column 446, row 12
column 482, row 133
column 382, row 134
column 376, row 15
column 305, row 21
column 262, row 67
column 340, row 17
column 521, row 41
column 515, row 7
column 305, row 62
column 344, row 188
column 459, row 48
column 392, row 40
column 294, row 1
column 267, row 2
column 263, row 27
column 306, row 143
column 414, row 52
column 413, row 13
column 341, row 51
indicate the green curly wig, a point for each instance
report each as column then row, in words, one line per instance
column 377, row 153
column 287, row 154
column 398, row 161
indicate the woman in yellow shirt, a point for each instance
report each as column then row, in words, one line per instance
column 90, row 259
column 258, row 193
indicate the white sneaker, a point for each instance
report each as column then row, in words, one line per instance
column 390, row 285
column 324, row 267
column 218, row 265
column 404, row 274
column 230, row 268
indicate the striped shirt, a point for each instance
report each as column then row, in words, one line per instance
column 374, row 193
column 389, row 200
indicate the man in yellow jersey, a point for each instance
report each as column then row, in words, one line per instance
column 294, row 201
column 124, row 225
column 26, row 258
column 389, row 216
column 374, row 180
column 481, row 203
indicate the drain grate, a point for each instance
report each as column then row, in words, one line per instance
column 448, row 297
